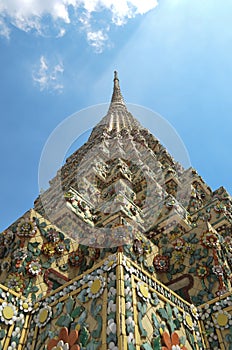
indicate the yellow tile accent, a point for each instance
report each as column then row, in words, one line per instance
column 144, row 290
column 95, row 287
column 222, row 320
column 43, row 316
column 8, row 312
column 189, row 320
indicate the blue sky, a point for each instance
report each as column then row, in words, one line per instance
column 57, row 57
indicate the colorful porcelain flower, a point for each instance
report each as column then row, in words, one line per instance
column 52, row 235
column 8, row 313
column 189, row 248
column 26, row 228
column 60, row 247
column 161, row 263
column 172, row 342
column 96, row 286
column 194, row 311
column 110, row 263
column 43, row 316
column 76, row 258
column 178, row 256
column 25, row 306
column 178, row 243
column 188, row 321
column 143, row 291
column 209, row 239
column 48, row 248
column 20, row 254
column 34, row 268
column 222, row 319
column 65, row 341
column 218, row 270
column 15, row 282
column 202, row 271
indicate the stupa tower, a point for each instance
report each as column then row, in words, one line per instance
column 125, row 250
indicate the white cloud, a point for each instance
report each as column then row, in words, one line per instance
column 4, row 30
column 61, row 33
column 31, row 15
column 47, row 76
column 97, row 40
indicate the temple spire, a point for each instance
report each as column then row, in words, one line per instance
column 117, row 95
column 117, row 117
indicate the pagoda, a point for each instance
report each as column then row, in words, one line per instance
column 126, row 249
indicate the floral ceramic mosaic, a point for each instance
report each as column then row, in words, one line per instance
column 162, row 280
column 84, row 313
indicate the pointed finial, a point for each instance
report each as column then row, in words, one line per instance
column 115, row 75
column 117, row 96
